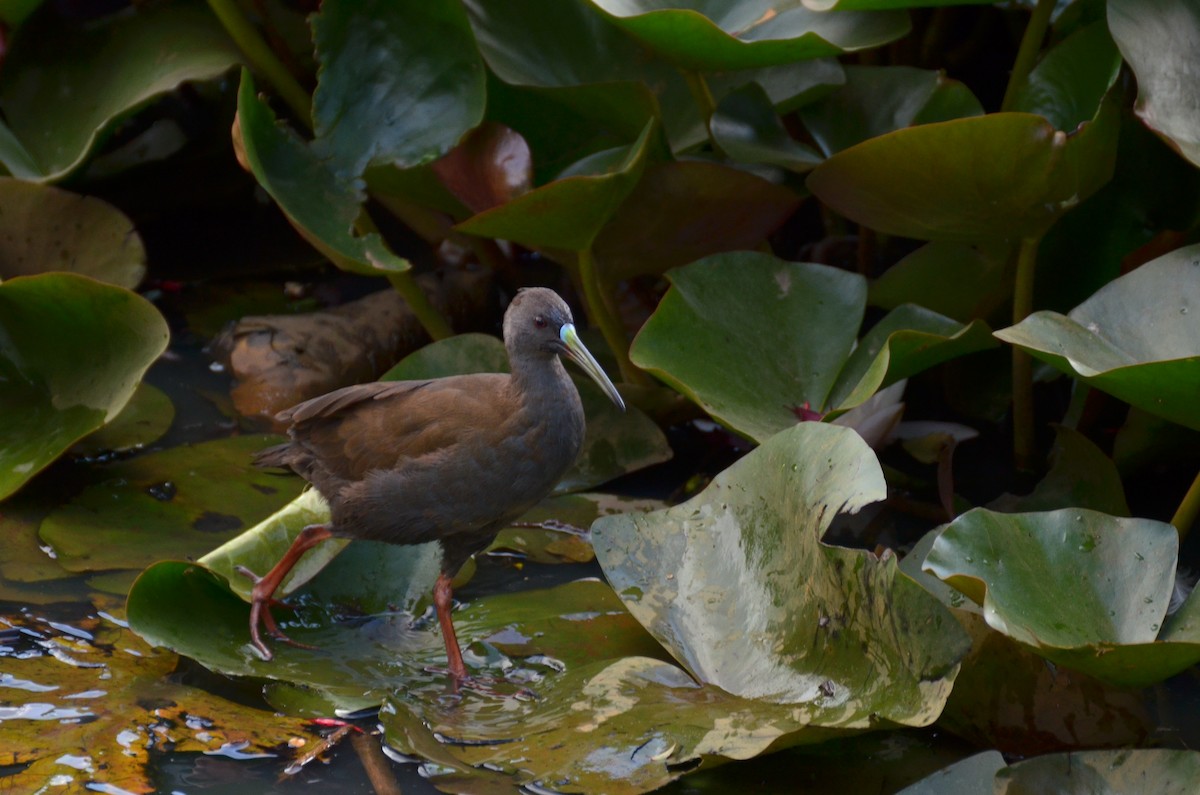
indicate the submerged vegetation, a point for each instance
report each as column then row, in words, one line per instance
column 904, row 302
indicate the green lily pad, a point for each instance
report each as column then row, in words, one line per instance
column 426, row 86
column 619, row 726
column 1083, row 589
column 737, row 585
column 617, row 442
column 711, row 36
column 46, row 229
column 751, row 338
column 58, row 109
column 1159, row 770
column 1000, row 176
column 1069, row 83
column 1007, row 697
column 557, row 529
column 28, row 574
column 680, row 212
column 566, row 214
column 747, row 128
column 973, row 774
column 1159, row 39
column 1080, row 476
column 906, row 341
column 64, row 392
column 959, row 280
column 145, row 418
column 1138, row 338
column 321, row 205
column 880, row 99
column 88, row 705
column 175, row 503
column 189, row 609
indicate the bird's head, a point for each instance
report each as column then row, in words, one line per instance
column 539, row 323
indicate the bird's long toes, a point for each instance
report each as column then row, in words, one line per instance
column 249, row 575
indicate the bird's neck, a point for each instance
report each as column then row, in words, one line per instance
column 545, row 389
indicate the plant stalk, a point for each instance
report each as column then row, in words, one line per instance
column 705, row 103
column 1031, row 45
column 435, row 325
column 603, row 316
column 1189, row 509
column 262, row 59
column 1022, row 362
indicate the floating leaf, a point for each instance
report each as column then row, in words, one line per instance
column 1080, row 476
column 1083, row 589
column 145, row 418
column 356, row 662
column 46, row 229
column 322, row 206
column 880, row 99
column 64, row 392
column 739, row 588
column 1159, row 770
column 999, row 176
column 174, row 503
column 58, row 109
column 973, row 774
column 85, row 705
column 709, row 36
column 1138, row 338
column 556, row 530
column 1007, row 697
column 752, row 338
column 1160, row 39
column 426, row 86
column 628, row 725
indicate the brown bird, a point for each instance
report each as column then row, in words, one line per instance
column 452, row 460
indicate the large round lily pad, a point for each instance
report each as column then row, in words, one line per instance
column 72, row 351
column 179, row 502
column 1081, row 588
column 1159, row 770
column 999, row 176
column 712, row 35
column 1137, row 338
column 46, row 229
column 739, row 588
column 753, row 338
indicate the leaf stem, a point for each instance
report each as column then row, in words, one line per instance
column 602, row 315
column 435, row 325
column 1031, row 44
column 1022, row 363
column 1189, row 509
column 705, row 103
column 262, row 59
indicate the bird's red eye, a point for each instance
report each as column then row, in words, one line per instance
column 539, row 321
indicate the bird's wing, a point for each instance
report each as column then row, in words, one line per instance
column 377, row 426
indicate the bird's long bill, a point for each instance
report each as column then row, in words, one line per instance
column 579, row 354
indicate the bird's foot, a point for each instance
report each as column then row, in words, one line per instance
column 261, row 601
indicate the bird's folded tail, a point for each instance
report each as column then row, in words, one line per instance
column 277, row 456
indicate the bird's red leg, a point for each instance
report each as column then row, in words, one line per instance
column 265, row 586
column 442, row 601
